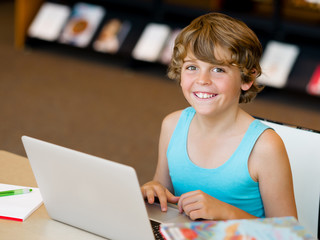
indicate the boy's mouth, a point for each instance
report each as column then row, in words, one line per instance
column 203, row 95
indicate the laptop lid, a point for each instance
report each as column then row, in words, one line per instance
column 91, row 193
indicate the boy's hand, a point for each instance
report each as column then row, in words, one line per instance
column 154, row 189
column 199, row 205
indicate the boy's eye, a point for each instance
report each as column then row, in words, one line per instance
column 192, row 68
column 218, row 70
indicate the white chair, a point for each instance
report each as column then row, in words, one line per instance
column 303, row 147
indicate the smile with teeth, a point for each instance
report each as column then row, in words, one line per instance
column 203, row 95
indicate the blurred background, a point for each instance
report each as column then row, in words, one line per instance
column 112, row 105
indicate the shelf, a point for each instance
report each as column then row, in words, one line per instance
column 271, row 20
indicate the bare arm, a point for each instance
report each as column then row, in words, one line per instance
column 161, row 185
column 269, row 164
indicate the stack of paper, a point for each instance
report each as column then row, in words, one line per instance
column 19, row 207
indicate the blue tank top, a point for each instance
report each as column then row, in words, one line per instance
column 230, row 182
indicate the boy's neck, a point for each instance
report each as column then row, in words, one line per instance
column 222, row 123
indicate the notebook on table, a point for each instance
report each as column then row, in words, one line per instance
column 18, row 207
column 94, row 194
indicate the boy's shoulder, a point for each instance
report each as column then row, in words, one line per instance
column 270, row 138
column 269, row 144
column 173, row 118
column 169, row 123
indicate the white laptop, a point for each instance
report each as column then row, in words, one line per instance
column 93, row 194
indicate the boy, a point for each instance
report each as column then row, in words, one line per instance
column 215, row 160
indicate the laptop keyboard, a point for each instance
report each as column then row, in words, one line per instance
column 156, row 230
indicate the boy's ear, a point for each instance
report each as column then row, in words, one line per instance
column 247, row 85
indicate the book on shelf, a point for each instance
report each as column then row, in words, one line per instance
column 166, row 54
column 112, row 35
column 249, row 229
column 49, row 21
column 313, row 86
column 151, row 42
column 276, row 63
column 82, row 24
column 19, row 207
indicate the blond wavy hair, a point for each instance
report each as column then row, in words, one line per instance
column 215, row 30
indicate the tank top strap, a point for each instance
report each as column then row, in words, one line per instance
column 181, row 131
column 250, row 138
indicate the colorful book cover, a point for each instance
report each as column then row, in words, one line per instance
column 313, row 86
column 83, row 23
column 112, row 35
column 255, row 229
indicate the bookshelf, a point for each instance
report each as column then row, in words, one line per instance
column 289, row 21
column 25, row 10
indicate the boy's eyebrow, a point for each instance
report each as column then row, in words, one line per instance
column 189, row 60
column 215, row 64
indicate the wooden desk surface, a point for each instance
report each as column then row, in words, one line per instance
column 16, row 170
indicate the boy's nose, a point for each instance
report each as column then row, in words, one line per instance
column 204, row 79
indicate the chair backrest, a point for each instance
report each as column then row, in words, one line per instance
column 303, row 148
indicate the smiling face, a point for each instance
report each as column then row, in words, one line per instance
column 204, row 37
column 211, row 88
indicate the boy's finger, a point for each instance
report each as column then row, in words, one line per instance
column 186, row 199
column 180, row 202
column 163, row 200
column 171, row 197
column 150, row 196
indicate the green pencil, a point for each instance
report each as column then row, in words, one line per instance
column 15, row 192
